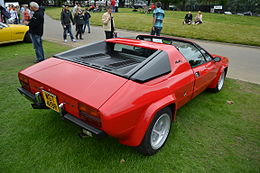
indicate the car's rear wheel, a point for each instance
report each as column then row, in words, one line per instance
column 221, row 81
column 27, row 38
column 157, row 133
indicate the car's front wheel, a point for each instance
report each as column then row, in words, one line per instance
column 220, row 83
column 157, row 133
column 27, row 38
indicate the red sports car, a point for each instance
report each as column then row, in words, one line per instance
column 129, row 89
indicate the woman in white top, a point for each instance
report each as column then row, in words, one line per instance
column 198, row 18
column 14, row 16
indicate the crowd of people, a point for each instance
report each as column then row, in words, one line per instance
column 77, row 16
column 15, row 14
column 80, row 17
column 33, row 16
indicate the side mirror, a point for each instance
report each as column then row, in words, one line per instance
column 217, row 59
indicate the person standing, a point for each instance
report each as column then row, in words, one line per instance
column 113, row 3
column 18, row 11
column 116, row 6
column 36, row 30
column 14, row 15
column 4, row 14
column 66, row 19
column 26, row 14
column 108, row 23
column 75, row 7
column 158, row 16
column 87, row 16
column 79, row 20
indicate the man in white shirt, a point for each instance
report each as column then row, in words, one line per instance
column 116, row 6
column 75, row 7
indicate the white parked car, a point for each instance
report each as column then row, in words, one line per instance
column 227, row 12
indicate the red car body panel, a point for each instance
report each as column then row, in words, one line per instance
column 126, row 107
column 76, row 80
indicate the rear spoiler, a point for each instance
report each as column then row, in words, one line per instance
column 160, row 39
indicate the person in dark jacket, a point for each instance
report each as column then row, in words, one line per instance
column 79, row 20
column 87, row 16
column 188, row 18
column 66, row 19
column 4, row 14
column 36, row 30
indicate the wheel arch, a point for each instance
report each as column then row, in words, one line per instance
column 27, row 37
column 136, row 136
column 215, row 81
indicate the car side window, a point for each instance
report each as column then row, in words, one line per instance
column 205, row 54
column 192, row 54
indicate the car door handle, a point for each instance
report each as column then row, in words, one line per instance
column 197, row 74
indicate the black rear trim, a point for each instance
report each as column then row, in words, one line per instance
column 67, row 116
column 84, row 125
column 32, row 98
column 27, row 94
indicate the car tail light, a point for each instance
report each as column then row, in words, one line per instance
column 89, row 114
column 24, row 81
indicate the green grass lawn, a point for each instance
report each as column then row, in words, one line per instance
column 208, row 136
column 216, row 27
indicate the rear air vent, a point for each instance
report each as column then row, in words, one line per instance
column 99, row 55
column 122, row 63
column 95, row 66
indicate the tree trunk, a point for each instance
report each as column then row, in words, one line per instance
column 183, row 5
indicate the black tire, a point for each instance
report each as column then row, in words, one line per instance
column 148, row 146
column 27, row 38
column 221, row 82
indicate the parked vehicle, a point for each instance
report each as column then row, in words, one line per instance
column 248, row 13
column 13, row 33
column 129, row 89
column 227, row 13
column 139, row 4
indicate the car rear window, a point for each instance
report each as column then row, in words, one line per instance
column 133, row 50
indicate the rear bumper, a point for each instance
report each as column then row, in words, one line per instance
column 82, row 124
column 36, row 100
column 37, row 103
column 27, row 94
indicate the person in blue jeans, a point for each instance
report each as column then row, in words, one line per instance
column 66, row 19
column 158, row 16
column 36, row 30
column 37, row 45
column 87, row 16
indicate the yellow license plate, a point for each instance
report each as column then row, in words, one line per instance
column 50, row 101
